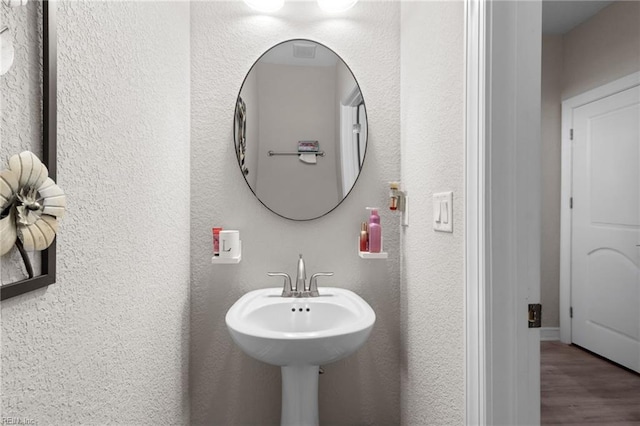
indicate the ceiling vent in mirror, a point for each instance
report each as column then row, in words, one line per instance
column 304, row 50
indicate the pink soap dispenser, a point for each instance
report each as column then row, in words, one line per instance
column 375, row 231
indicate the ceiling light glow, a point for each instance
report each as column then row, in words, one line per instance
column 265, row 5
column 334, row 6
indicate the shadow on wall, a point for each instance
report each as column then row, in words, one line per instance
column 354, row 401
column 232, row 397
column 254, row 392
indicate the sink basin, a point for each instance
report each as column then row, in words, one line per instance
column 299, row 335
column 300, row 331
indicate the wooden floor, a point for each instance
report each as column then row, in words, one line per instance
column 580, row 388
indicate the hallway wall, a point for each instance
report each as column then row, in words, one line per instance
column 602, row 49
column 551, row 100
column 598, row 51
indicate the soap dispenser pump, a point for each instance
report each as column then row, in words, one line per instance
column 375, row 231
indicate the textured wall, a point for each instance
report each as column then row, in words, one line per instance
column 602, row 49
column 108, row 343
column 433, row 263
column 228, row 387
column 551, row 124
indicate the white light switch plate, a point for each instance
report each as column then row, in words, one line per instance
column 443, row 211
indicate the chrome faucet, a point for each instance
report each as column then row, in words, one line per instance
column 300, row 289
column 302, row 276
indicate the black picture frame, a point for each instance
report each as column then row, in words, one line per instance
column 49, row 146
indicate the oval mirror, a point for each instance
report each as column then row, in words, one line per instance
column 300, row 129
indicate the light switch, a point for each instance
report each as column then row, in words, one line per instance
column 443, row 211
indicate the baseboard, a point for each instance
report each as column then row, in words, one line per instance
column 549, row 333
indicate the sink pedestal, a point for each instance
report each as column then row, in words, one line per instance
column 299, row 334
column 300, row 395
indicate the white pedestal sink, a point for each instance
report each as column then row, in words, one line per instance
column 299, row 335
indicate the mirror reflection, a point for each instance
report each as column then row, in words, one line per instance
column 300, row 129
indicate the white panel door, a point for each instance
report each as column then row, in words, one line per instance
column 605, row 259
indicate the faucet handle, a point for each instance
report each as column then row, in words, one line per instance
column 313, row 282
column 287, row 290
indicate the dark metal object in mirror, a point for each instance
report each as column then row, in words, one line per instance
column 49, row 53
column 300, row 129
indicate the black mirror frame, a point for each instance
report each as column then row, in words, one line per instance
column 237, row 144
column 49, row 146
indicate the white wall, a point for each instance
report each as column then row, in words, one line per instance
column 127, row 324
column 432, row 323
column 108, row 343
column 226, row 386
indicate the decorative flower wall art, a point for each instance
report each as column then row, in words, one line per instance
column 31, row 205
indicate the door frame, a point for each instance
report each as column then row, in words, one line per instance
column 502, row 211
column 568, row 106
column 475, row 147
